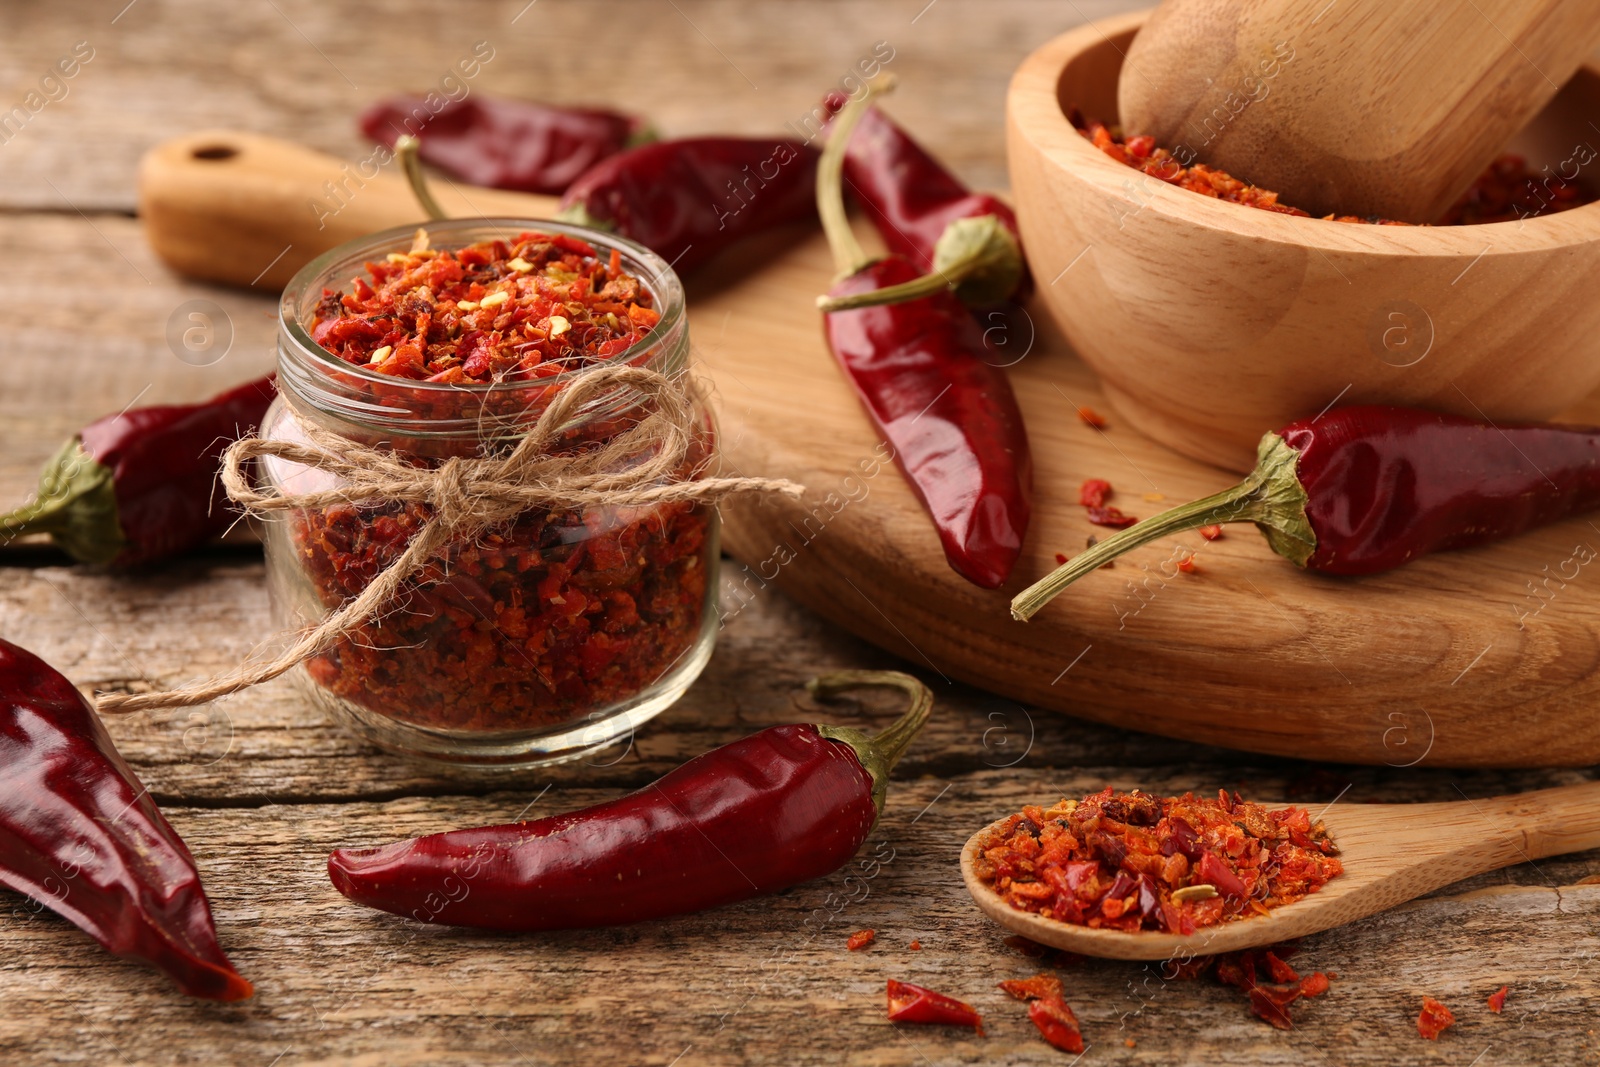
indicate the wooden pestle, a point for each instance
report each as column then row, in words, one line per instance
column 1356, row 107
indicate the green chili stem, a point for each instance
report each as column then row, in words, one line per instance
column 879, row 754
column 41, row 516
column 915, row 289
column 848, row 255
column 405, row 148
column 1271, row 497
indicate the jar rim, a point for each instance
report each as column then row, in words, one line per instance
column 665, row 288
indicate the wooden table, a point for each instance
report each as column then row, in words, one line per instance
column 262, row 787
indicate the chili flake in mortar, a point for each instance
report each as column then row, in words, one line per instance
column 1130, row 861
column 1505, row 192
column 559, row 613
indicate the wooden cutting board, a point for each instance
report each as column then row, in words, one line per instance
column 1488, row 657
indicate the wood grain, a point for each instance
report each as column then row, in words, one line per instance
column 741, row 985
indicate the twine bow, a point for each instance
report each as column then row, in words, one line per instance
column 466, row 497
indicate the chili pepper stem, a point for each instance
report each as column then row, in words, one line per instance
column 848, row 255
column 977, row 258
column 405, row 149
column 1271, row 497
column 877, row 754
column 76, row 504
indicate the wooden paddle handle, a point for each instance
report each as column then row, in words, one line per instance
column 1360, row 107
column 243, row 209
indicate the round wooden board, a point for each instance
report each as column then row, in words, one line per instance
column 1451, row 662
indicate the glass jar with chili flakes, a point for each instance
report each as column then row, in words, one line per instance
column 556, row 632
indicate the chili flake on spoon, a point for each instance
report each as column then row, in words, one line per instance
column 533, row 306
column 1130, row 861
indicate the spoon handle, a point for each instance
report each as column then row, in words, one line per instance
column 1528, row 826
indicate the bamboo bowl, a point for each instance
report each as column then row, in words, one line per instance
column 1211, row 323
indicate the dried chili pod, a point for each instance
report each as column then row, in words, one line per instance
column 918, row 368
column 774, row 809
column 917, row 1004
column 504, row 143
column 687, row 200
column 1361, row 490
column 80, row 834
column 141, row 485
column 959, row 240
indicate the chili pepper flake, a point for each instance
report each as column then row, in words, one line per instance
column 860, row 940
column 1211, row 533
column 914, row 1004
column 1057, row 1023
column 1092, row 417
column 1507, row 191
column 1110, row 516
column 534, row 306
column 1434, row 1019
column 1040, row 985
column 1115, row 860
column 1094, row 493
column 1497, row 999
column 915, row 946
column 1061, row 557
column 1186, row 562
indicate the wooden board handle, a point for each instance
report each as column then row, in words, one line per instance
column 234, row 207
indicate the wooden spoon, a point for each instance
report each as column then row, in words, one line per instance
column 1360, row 107
column 1391, row 852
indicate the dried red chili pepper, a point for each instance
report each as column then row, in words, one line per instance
column 915, row 1004
column 1130, row 861
column 1057, row 1023
column 1434, row 1019
column 860, row 940
column 960, row 241
column 141, row 485
column 687, row 200
column 505, row 143
column 1320, row 492
column 950, row 417
column 780, row 807
column 1112, row 517
column 80, row 834
column 1497, row 999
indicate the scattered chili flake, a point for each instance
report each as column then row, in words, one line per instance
column 1269, row 1000
column 1092, row 417
column 1112, row 517
column 1094, row 493
column 1057, row 1023
column 1130, row 1042
column 1061, row 557
column 1497, row 999
column 1434, row 1019
column 913, row 1004
column 1507, row 191
column 860, row 940
column 1154, row 498
column 1186, row 563
column 915, row 946
column 1043, row 984
column 1211, row 533
column 1114, row 860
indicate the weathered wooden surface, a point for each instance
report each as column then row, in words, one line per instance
column 263, row 787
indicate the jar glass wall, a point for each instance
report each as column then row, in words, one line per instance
column 553, row 634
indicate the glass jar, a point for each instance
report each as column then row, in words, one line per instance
column 548, row 637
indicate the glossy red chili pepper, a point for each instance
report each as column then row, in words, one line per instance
column 687, row 200
column 80, row 834
column 141, row 485
column 950, row 417
column 914, row 1004
column 1361, row 490
column 780, row 807
column 957, row 239
column 503, row 143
